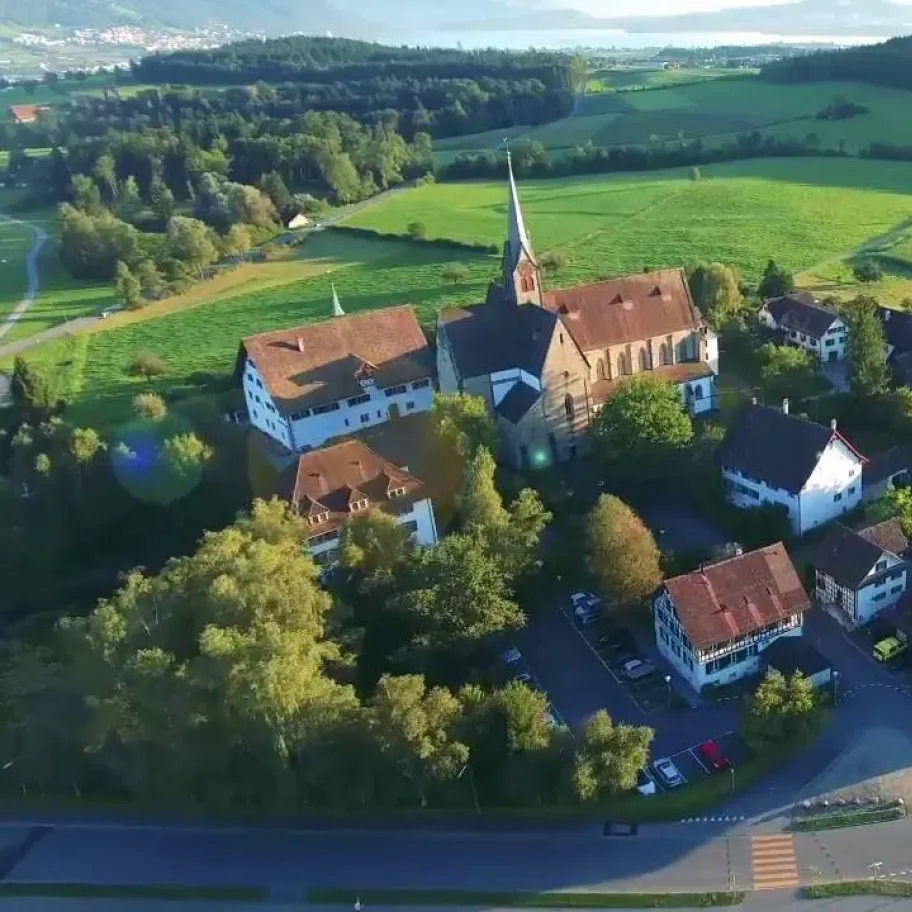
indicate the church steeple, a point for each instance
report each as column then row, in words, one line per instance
column 522, row 279
column 337, row 307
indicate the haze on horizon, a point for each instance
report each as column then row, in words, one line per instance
column 614, row 8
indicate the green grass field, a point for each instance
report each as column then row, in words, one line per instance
column 715, row 111
column 799, row 212
column 628, row 79
column 204, row 337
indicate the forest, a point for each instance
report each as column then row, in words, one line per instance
column 885, row 64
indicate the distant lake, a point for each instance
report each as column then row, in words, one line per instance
column 607, row 39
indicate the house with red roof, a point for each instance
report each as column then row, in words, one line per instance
column 714, row 623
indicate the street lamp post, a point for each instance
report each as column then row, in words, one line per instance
column 468, row 768
column 731, row 771
column 668, row 687
column 835, row 688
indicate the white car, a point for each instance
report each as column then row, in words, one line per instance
column 668, row 773
column 646, row 784
column 511, row 656
column 637, row 668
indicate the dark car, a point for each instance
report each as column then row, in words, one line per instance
column 710, row 754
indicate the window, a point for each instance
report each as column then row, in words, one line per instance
column 396, row 390
column 297, row 416
column 359, row 400
column 852, row 489
column 665, row 354
column 879, row 597
column 421, row 384
column 411, row 526
column 527, row 283
column 323, row 409
column 896, row 590
column 830, row 342
column 569, row 407
column 365, row 418
column 600, row 369
column 396, row 492
column 644, row 359
column 837, row 497
column 622, row 365
column 358, row 506
column 561, row 338
column 410, row 406
column 802, row 337
column 697, row 391
column 319, row 518
column 259, row 401
column 880, row 565
column 259, row 383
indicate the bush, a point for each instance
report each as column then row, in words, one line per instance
column 553, row 261
column 417, row 231
column 454, row 273
column 695, row 174
column 147, row 365
column 868, row 272
column 150, row 406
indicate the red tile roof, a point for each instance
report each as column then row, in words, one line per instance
column 737, row 596
column 323, row 362
column 628, row 309
column 25, row 113
column 330, row 480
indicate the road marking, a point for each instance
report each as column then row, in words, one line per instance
column 773, row 862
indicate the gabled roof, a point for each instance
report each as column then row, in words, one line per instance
column 802, row 312
column 497, row 336
column 323, row 362
column 888, row 464
column 848, row 556
column 331, row 479
column 26, row 113
column 628, row 309
column 516, row 404
column 790, row 654
column 737, row 596
column 897, row 328
column 781, row 450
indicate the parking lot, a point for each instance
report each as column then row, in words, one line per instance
column 516, row 669
column 693, row 766
column 865, row 638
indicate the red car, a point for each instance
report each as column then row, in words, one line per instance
column 710, row 754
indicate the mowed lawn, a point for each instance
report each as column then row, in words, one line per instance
column 203, row 337
column 797, row 211
column 15, row 242
column 715, row 111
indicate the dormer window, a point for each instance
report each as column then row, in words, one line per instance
column 396, row 492
column 319, row 518
column 358, row 506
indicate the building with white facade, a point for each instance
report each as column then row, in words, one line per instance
column 771, row 457
column 312, row 384
column 713, row 624
column 808, row 324
column 860, row 574
column 331, row 486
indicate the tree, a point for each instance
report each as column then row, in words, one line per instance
column 85, row 193
column 694, row 174
column 238, row 241
column 417, row 231
column 148, row 365
column 274, row 187
column 162, row 201
column 642, row 426
column 33, row 389
column 129, row 203
column 149, row 278
column 866, row 348
column 716, row 289
column 781, row 711
column 868, row 272
column 788, row 371
column 191, row 241
column 375, row 546
column 463, row 421
column 896, row 502
column 127, row 287
column 510, row 535
column 776, row 281
column 621, row 553
column 150, row 407
column 455, row 274
column 609, row 757
column 459, row 595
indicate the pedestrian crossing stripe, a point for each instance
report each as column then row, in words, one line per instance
column 712, row 819
column 773, row 862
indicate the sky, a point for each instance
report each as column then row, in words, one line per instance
column 614, row 8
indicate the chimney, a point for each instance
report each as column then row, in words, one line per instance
column 785, row 406
column 832, row 424
column 300, row 344
column 886, row 315
column 753, row 400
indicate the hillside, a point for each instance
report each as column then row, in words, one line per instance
column 887, row 64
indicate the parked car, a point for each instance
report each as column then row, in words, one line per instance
column 524, row 678
column 710, row 754
column 637, row 668
column 645, row 783
column 511, row 656
column 583, row 598
column 889, row 649
column 668, row 773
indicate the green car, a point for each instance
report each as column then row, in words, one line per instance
column 888, row 649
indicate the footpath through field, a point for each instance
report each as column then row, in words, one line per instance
column 31, row 268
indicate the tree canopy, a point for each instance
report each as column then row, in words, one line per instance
column 776, row 281
column 716, row 290
column 866, row 347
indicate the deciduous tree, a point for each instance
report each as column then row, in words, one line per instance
column 866, row 354
column 609, row 757
column 776, row 281
column 788, row 371
column 127, row 287
column 716, row 289
column 781, row 711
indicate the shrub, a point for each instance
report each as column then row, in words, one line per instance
column 150, row 406
column 695, row 174
column 147, row 365
column 553, row 261
column 454, row 273
column 417, row 231
column 867, row 271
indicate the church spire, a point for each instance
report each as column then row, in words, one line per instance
column 337, row 307
column 517, row 237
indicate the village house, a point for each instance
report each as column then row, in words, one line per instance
column 545, row 361
column 860, row 574
column 25, row 114
column 806, row 323
column 713, row 624
column 897, row 330
column 330, row 486
column 771, row 457
column 312, row 384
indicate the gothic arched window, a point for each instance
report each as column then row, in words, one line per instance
column 665, row 354
column 600, row 369
column 622, row 365
column 644, row 359
column 569, row 407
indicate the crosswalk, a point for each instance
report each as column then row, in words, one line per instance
column 773, row 862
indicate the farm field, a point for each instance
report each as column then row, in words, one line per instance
column 93, row 367
column 635, row 78
column 800, row 212
column 715, row 111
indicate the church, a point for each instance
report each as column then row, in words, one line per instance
column 545, row 361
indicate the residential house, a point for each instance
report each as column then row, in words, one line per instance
column 330, row 486
column 769, row 456
column 897, row 330
column 891, row 468
column 806, row 323
column 545, row 361
column 713, row 624
column 294, row 220
column 25, row 114
column 860, row 574
column 309, row 385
